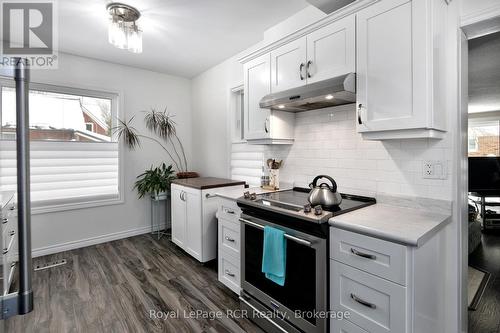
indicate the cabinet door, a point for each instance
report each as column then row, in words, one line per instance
column 257, row 78
column 331, row 51
column 288, row 66
column 193, row 244
column 178, row 216
column 386, row 70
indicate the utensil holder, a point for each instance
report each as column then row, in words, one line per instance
column 274, row 178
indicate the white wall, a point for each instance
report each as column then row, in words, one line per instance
column 140, row 90
column 210, row 97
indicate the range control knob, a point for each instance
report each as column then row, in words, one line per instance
column 307, row 208
column 318, row 210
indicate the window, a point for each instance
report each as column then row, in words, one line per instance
column 237, row 116
column 74, row 157
column 484, row 137
column 473, row 146
column 89, row 127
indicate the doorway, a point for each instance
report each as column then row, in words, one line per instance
column 483, row 147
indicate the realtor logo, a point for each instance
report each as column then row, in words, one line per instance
column 28, row 31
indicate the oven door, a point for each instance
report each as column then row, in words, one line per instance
column 305, row 291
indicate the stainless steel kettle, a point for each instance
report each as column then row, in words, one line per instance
column 324, row 194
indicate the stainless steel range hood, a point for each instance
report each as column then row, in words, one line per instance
column 323, row 94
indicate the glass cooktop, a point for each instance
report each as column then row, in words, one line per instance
column 297, row 198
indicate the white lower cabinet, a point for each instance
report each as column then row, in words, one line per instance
column 228, row 214
column 374, row 304
column 345, row 326
column 194, row 224
column 386, row 287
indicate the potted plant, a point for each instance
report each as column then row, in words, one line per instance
column 162, row 125
column 155, row 181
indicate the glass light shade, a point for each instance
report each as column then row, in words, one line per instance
column 117, row 35
column 135, row 40
column 121, row 36
column 112, row 31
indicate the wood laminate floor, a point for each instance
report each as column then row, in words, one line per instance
column 113, row 287
column 486, row 319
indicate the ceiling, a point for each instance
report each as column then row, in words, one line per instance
column 181, row 37
column 484, row 73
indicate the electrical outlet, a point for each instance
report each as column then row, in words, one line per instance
column 434, row 169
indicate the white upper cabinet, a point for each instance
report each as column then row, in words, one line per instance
column 263, row 126
column 288, row 66
column 257, row 84
column 331, row 51
column 399, row 59
column 323, row 54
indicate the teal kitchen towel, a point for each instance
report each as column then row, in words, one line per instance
column 274, row 255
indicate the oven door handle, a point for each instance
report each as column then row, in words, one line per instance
column 287, row 236
column 262, row 315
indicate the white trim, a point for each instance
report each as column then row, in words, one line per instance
column 480, row 15
column 351, row 8
column 43, row 251
column 74, row 206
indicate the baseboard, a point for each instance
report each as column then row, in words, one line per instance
column 43, row 251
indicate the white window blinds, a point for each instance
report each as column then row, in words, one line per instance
column 65, row 172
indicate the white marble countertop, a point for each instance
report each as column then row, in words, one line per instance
column 403, row 225
column 235, row 193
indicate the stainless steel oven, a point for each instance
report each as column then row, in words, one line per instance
column 295, row 306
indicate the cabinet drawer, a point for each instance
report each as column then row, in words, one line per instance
column 375, row 304
column 375, row 256
column 229, row 271
column 229, row 210
column 229, row 237
column 344, row 326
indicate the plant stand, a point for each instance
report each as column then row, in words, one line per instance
column 156, row 202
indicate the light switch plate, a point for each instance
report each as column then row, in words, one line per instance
column 435, row 169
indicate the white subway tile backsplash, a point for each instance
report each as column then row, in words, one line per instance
column 326, row 142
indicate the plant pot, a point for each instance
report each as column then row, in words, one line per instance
column 187, row 174
column 160, row 196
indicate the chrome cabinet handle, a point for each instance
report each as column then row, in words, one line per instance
column 265, row 126
column 183, row 196
column 228, row 272
column 5, row 220
column 287, row 236
column 301, row 69
column 362, row 254
column 363, row 302
column 360, row 107
column 308, row 66
column 229, row 239
column 208, row 196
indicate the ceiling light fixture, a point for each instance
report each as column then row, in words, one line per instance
column 329, row 97
column 123, row 31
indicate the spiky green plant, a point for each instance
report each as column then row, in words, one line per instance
column 155, row 180
column 162, row 125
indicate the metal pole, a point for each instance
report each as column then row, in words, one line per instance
column 21, row 76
